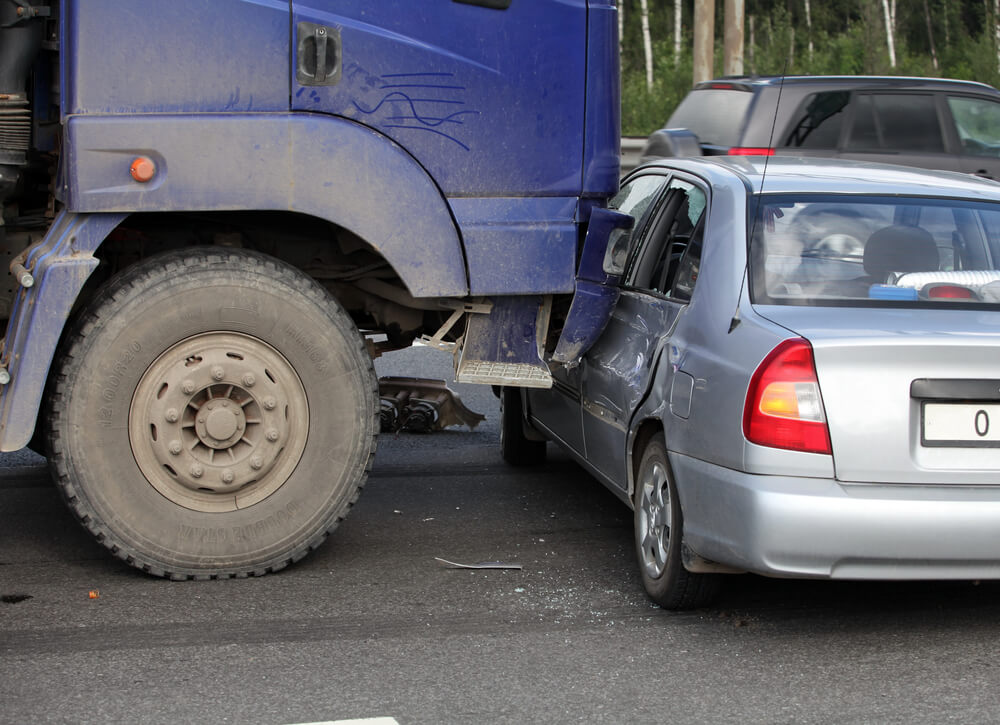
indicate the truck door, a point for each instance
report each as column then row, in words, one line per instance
column 488, row 95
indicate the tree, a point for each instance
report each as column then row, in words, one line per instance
column 890, row 30
column 647, row 43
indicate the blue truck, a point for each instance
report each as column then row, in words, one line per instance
column 216, row 214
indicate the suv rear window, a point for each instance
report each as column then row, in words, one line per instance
column 716, row 115
column 868, row 251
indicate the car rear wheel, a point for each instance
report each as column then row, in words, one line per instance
column 659, row 525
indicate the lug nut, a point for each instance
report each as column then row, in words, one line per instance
column 249, row 380
column 272, row 434
column 218, row 373
column 175, row 448
column 256, row 463
column 196, row 471
column 188, row 387
column 269, row 402
column 171, row 415
column 227, row 476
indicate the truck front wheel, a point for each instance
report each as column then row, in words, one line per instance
column 213, row 414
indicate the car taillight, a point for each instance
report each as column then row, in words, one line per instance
column 750, row 151
column 784, row 408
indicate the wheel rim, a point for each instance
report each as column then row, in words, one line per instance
column 218, row 422
column 653, row 527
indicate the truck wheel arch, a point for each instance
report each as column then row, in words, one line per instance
column 323, row 166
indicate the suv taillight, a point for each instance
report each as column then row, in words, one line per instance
column 750, row 151
column 784, row 408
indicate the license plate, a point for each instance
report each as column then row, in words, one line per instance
column 961, row 425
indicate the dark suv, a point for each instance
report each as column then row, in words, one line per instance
column 926, row 122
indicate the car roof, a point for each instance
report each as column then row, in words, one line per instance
column 791, row 174
column 750, row 82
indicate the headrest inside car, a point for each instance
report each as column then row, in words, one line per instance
column 900, row 249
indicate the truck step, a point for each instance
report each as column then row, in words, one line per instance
column 504, row 346
column 523, row 375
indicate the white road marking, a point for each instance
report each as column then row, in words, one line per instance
column 362, row 721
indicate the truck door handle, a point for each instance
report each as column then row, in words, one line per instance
column 318, row 55
column 495, row 4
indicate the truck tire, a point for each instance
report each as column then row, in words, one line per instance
column 213, row 414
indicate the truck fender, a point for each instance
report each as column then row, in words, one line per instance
column 325, row 166
column 60, row 265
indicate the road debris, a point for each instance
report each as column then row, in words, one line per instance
column 421, row 405
column 15, row 598
column 480, row 565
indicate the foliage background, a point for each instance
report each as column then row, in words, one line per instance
column 849, row 37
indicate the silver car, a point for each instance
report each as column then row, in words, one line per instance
column 799, row 376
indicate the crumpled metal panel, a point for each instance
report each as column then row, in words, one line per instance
column 421, row 405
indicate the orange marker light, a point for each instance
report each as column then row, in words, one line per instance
column 779, row 399
column 143, row 169
column 94, row 594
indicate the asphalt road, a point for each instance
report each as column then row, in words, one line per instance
column 371, row 625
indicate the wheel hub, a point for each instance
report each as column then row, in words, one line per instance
column 220, row 423
column 218, row 414
column 654, row 520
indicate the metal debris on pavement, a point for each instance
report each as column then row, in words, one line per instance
column 480, row 565
column 420, row 405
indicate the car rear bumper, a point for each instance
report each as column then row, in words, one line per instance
column 821, row 528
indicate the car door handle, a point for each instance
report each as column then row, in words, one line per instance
column 318, row 55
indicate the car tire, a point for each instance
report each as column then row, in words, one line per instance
column 515, row 447
column 213, row 414
column 659, row 526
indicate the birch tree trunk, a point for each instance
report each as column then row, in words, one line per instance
column 677, row 32
column 930, row 35
column 621, row 25
column 647, row 43
column 889, row 31
column 809, row 30
column 996, row 28
column 947, row 32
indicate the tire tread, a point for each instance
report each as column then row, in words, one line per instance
column 67, row 365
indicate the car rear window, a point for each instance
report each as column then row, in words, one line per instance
column 714, row 115
column 872, row 251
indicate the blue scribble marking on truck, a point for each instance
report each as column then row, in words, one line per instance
column 417, row 120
